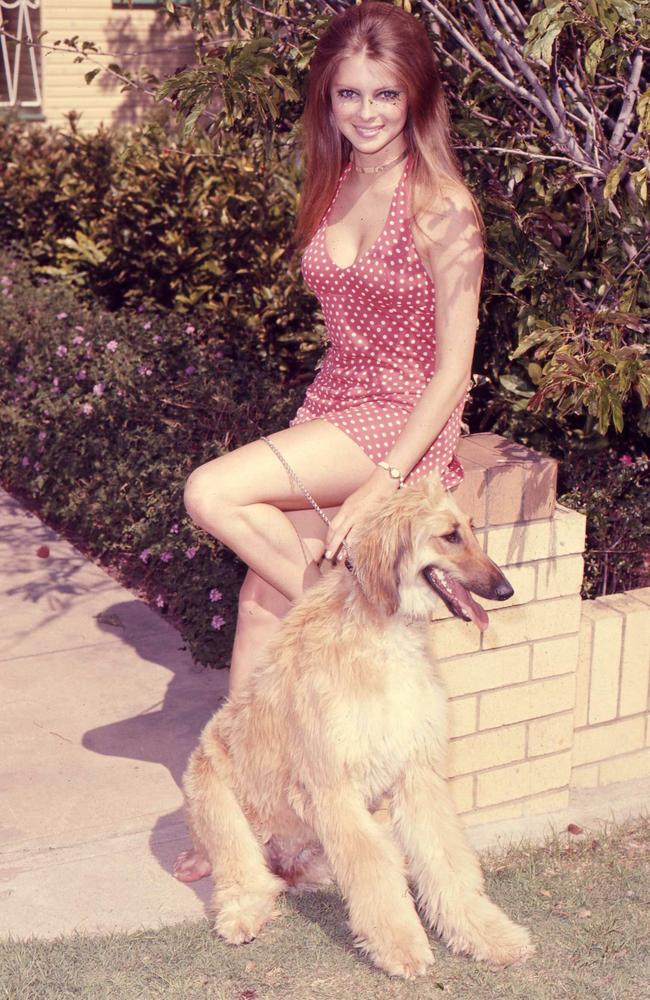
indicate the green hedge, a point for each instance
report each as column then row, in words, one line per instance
column 132, row 219
column 103, row 417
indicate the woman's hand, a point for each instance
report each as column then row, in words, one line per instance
column 379, row 485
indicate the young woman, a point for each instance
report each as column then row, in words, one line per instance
column 393, row 250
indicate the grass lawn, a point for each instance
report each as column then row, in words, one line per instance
column 585, row 897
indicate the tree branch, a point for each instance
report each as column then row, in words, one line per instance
column 631, row 91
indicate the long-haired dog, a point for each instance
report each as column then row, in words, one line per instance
column 344, row 713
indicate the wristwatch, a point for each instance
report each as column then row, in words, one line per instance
column 392, row 472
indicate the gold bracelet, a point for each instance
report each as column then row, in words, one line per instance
column 392, row 472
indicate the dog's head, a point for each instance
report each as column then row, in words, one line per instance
column 418, row 548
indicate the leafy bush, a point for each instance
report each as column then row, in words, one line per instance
column 135, row 220
column 103, row 417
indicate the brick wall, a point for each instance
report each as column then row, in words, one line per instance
column 612, row 735
column 554, row 694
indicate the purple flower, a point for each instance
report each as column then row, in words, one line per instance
column 626, row 460
column 156, row 338
column 25, row 460
column 174, row 528
column 165, row 556
column 190, row 370
column 144, row 370
column 5, row 280
column 61, row 315
column 218, row 622
column 147, row 325
column 42, row 435
column 144, row 555
column 61, row 350
column 191, row 552
column 189, row 328
column 99, row 389
column 215, row 595
column 111, row 346
column 160, row 601
column 55, row 381
column 81, row 375
column 77, row 340
column 81, row 329
column 87, row 408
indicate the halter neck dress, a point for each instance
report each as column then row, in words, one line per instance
column 380, row 319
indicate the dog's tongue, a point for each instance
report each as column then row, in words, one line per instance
column 468, row 604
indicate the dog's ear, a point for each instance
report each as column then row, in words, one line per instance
column 378, row 546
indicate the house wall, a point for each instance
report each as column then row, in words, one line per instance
column 133, row 38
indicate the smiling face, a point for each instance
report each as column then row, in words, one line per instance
column 369, row 108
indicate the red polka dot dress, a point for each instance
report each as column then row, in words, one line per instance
column 380, row 318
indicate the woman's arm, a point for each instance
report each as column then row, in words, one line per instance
column 452, row 252
column 453, row 256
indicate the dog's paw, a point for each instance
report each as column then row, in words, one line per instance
column 488, row 935
column 511, row 946
column 241, row 914
column 406, row 955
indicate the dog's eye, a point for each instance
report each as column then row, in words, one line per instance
column 453, row 536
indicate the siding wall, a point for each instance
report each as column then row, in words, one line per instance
column 116, row 31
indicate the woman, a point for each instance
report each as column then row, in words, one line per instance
column 393, row 250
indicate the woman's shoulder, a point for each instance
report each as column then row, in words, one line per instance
column 448, row 212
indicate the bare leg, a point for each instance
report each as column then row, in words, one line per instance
column 219, row 496
column 242, row 498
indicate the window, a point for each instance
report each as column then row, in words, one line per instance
column 20, row 63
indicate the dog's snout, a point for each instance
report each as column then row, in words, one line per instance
column 503, row 590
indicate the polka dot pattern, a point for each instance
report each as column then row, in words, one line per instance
column 380, row 318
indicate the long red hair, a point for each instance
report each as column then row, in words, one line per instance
column 400, row 43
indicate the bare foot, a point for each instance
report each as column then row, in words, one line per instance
column 190, row 867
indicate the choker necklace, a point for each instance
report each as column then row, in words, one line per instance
column 380, row 169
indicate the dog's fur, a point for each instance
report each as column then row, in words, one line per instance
column 346, row 711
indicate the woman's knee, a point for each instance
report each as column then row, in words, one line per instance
column 205, row 498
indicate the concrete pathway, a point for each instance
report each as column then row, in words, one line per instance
column 100, row 706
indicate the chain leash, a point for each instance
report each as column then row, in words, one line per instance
column 305, row 491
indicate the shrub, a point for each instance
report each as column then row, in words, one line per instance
column 104, row 415
column 134, row 220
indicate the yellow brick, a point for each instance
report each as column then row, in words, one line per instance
column 482, row 671
column 625, row 768
column 526, row 701
column 640, row 594
column 559, row 577
column 547, row 802
column 550, row 735
column 583, row 670
column 452, row 637
column 462, row 792
column 472, row 753
column 563, row 534
column 605, row 661
column 523, row 779
column 513, row 810
column 585, row 776
column 635, row 657
column 538, row 620
column 462, row 716
column 555, row 656
column 602, row 742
